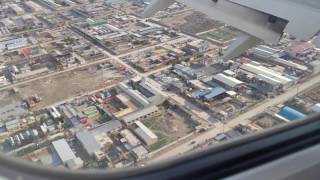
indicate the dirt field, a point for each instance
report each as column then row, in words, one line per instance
column 267, row 121
column 70, row 84
column 314, row 94
column 168, row 126
column 191, row 22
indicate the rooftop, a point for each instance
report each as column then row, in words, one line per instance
column 63, row 150
column 88, row 142
column 107, row 127
column 291, row 114
column 144, row 132
column 227, row 80
column 135, row 115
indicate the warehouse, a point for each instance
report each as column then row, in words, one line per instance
column 214, row 93
column 258, row 69
column 62, row 148
column 108, row 127
column 269, row 80
column 135, row 116
column 138, row 97
column 290, row 114
column 291, row 64
column 145, row 134
column 264, row 52
column 88, row 142
column 228, row 81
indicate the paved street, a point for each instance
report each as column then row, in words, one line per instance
column 243, row 118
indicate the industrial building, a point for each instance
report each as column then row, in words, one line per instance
column 63, row 150
column 88, row 142
column 289, row 114
column 227, row 81
column 66, row 155
column 257, row 69
column 135, row 95
column 184, row 72
column 264, row 52
column 108, row 127
column 267, row 53
column 145, row 134
column 142, row 92
column 140, row 114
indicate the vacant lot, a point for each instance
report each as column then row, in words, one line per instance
column 168, row 126
column 70, row 84
column 267, row 121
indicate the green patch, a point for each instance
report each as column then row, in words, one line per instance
column 217, row 36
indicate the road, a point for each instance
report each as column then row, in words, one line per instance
column 243, row 118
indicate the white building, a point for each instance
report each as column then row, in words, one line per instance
column 63, row 150
column 130, row 137
column 261, row 70
column 144, row 133
column 227, row 80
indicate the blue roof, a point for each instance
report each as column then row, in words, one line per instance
column 215, row 92
column 291, row 114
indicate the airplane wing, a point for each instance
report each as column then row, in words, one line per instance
column 265, row 20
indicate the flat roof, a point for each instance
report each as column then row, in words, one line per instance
column 265, row 71
column 63, row 150
column 88, row 142
column 144, row 132
column 140, row 113
column 107, row 127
